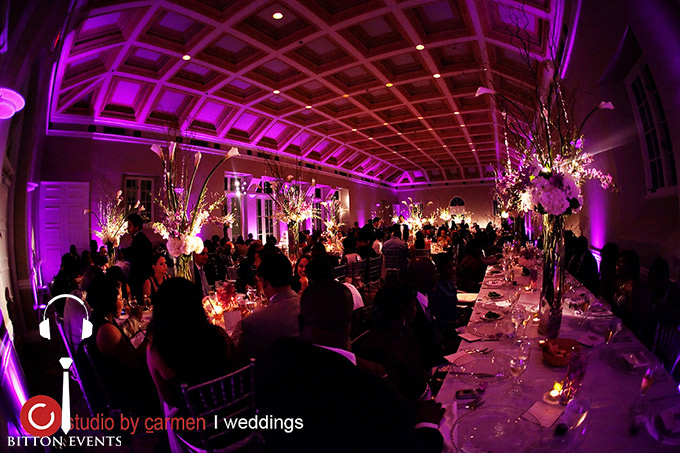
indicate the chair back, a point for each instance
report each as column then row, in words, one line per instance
column 357, row 270
column 422, row 252
column 223, row 399
column 667, row 346
column 75, row 375
column 374, row 273
column 339, row 272
column 393, row 259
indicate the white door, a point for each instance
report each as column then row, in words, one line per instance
column 62, row 223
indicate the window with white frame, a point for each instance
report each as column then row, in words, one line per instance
column 233, row 205
column 139, row 188
column 265, row 219
column 652, row 128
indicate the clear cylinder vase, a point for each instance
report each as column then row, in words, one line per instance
column 553, row 276
column 184, row 267
column 293, row 236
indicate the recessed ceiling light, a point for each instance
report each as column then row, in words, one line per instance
column 456, row 113
column 277, row 15
column 473, row 150
column 420, row 117
column 429, row 128
column 469, row 143
column 436, row 76
column 420, row 47
column 462, row 125
column 398, row 133
column 370, row 138
column 308, row 107
column 354, row 130
column 485, row 69
column 420, row 149
column 186, row 57
column 386, row 124
column 444, row 146
column 345, row 95
column 389, row 84
column 276, row 91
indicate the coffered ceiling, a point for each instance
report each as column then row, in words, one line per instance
column 384, row 89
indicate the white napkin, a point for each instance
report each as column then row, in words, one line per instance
column 459, row 358
column 636, row 360
column 589, row 339
column 450, row 417
column 546, row 414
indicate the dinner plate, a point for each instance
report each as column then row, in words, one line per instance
column 496, row 429
column 482, row 369
column 659, row 410
column 491, row 330
column 494, row 283
column 483, row 317
column 493, row 295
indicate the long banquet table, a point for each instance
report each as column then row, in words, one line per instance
column 610, row 388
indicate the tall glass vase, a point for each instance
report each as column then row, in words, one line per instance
column 293, row 236
column 553, row 276
column 184, row 267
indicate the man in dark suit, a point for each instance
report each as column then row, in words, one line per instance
column 200, row 279
column 139, row 255
column 403, row 229
column 256, row 332
column 341, row 407
column 422, row 279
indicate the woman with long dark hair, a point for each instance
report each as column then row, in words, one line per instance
column 186, row 348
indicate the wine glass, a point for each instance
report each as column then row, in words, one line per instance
column 612, row 329
column 517, row 368
column 517, row 318
column 250, row 306
column 133, row 302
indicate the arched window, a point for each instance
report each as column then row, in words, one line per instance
column 457, row 201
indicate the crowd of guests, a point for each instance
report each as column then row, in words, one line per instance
column 367, row 388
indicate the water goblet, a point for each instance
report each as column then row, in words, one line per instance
column 133, row 302
column 517, row 368
column 250, row 306
column 517, row 318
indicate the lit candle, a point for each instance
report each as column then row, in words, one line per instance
column 556, row 391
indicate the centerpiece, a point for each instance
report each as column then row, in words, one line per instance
column 292, row 204
column 112, row 221
column 552, row 164
column 332, row 212
column 182, row 222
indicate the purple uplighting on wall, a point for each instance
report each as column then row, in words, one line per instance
column 597, row 218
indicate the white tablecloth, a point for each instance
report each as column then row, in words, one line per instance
column 610, row 388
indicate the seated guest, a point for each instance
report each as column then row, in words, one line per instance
column 322, row 269
column 255, row 333
column 631, row 300
column 422, row 279
column 120, row 366
column 160, row 274
column 443, row 299
column 472, row 268
column 395, row 251
column 378, row 241
column 74, row 314
column 364, row 247
column 300, row 281
column 391, row 341
column 583, row 265
column 418, row 244
column 200, row 278
column 343, row 408
column 245, row 269
column 318, row 250
column 607, row 284
column 664, row 301
column 186, row 348
column 117, row 274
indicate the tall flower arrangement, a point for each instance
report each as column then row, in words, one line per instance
column 112, row 220
column 181, row 221
column 292, row 204
column 552, row 162
column 416, row 218
column 331, row 214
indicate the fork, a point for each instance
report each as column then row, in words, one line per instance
column 479, row 351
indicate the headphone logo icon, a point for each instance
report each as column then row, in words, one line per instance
column 44, row 326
